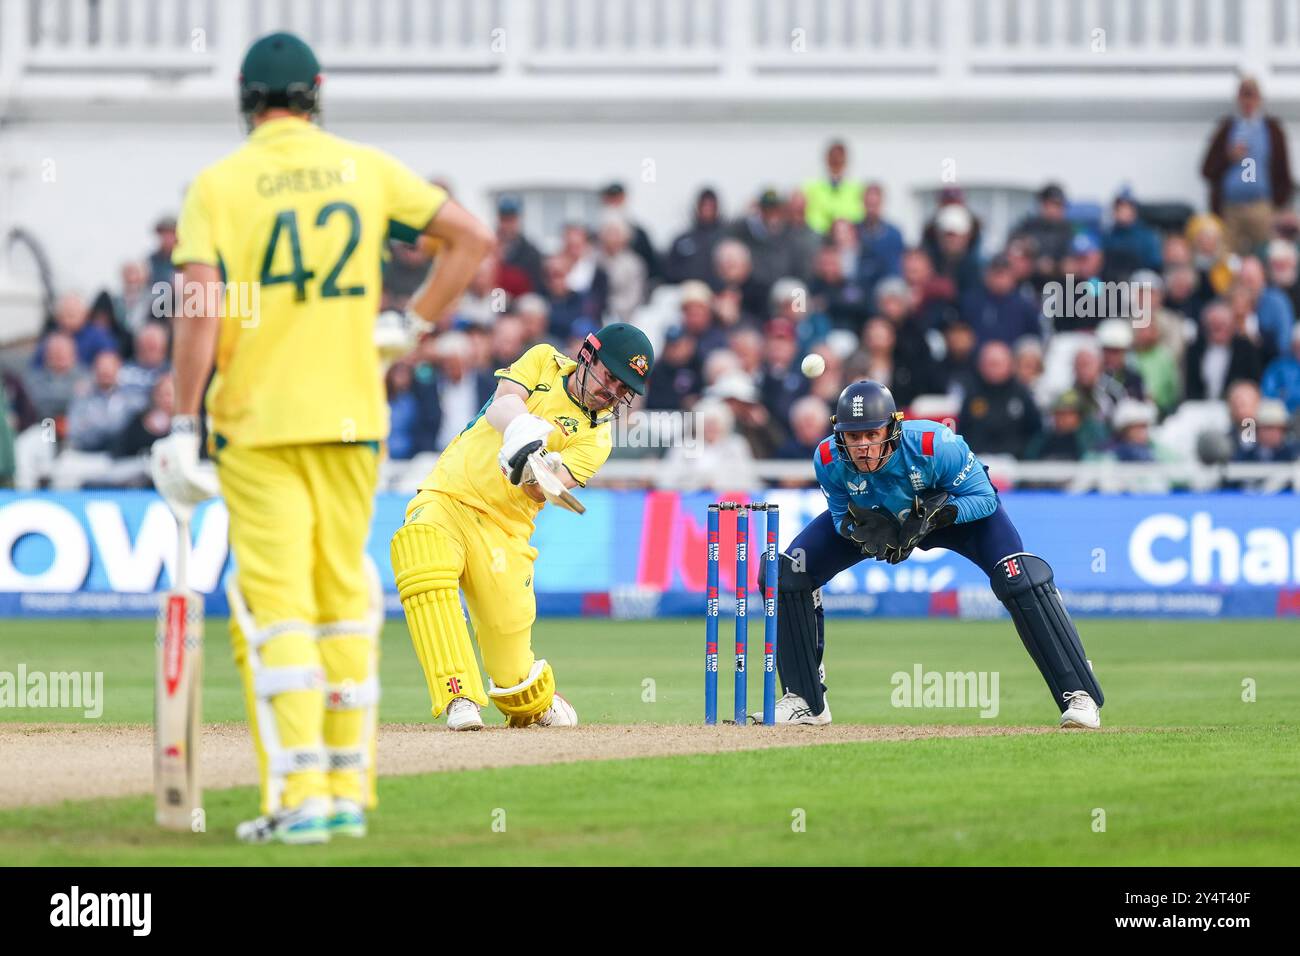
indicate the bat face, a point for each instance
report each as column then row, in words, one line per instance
column 177, row 709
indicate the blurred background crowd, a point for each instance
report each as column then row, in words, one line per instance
column 1125, row 330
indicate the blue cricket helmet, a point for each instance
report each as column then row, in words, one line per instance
column 865, row 405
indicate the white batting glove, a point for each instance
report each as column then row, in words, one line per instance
column 397, row 334
column 522, row 432
column 174, row 465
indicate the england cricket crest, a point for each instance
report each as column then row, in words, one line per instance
column 918, row 482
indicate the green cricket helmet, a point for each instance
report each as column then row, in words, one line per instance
column 279, row 70
column 627, row 354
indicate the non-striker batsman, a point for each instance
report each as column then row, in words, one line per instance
column 297, row 417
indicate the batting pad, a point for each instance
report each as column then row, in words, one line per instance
column 1024, row 583
column 428, row 581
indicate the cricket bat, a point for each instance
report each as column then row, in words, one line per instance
column 553, row 486
column 178, row 683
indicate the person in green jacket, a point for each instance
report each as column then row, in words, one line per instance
column 835, row 196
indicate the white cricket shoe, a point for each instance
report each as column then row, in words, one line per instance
column 463, row 714
column 306, row 823
column 559, row 714
column 1082, row 711
column 348, row 818
column 793, row 709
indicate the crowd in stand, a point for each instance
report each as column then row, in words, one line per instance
column 1020, row 346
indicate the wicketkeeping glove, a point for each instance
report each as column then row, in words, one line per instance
column 875, row 531
column 928, row 514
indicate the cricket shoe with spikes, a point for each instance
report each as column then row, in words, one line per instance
column 793, row 709
column 1081, row 711
column 347, row 819
column 463, row 714
column 306, row 823
column 559, row 714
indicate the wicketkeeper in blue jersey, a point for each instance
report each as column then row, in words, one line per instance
column 893, row 487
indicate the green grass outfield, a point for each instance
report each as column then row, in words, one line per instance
column 1193, row 775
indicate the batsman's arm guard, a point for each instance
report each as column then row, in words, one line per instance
column 1024, row 583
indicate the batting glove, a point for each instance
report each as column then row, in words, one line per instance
column 174, row 466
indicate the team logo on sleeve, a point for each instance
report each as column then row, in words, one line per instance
column 567, row 425
column 639, row 364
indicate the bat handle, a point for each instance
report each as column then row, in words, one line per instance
column 182, row 553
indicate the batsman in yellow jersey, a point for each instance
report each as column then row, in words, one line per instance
column 297, row 416
column 468, row 528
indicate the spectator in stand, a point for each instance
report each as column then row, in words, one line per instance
column 1098, row 393
column 1283, row 272
column 677, row 381
column 513, row 246
column 1248, row 170
column 139, row 376
column 485, row 298
column 691, row 254
column 100, row 412
column 535, row 314
column 1049, row 229
column 752, row 419
column 697, row 319
column 1021, row 254
column 720, row 459
column 844, row 237
column 809, row 418
column 739, row 297
column 1072, row 436
column 404, row 271
column 586, row 277
column 999, row 417
column 1183, row 292
column 1209, row 255
column 1243, row 400
column 1157, row 365
column 568, row 307
column 509, row 340
column 133, row 305
column 614, row 200
column 838, row 296
column 835, row 196
column 781, row 383
column 803, row 239
column 624, row 267
column 1270, row 436
column 996, row 310
column 52, row 386
column 1282, row 377
column 160, row 268
column 1131, row 425
column 1130, row 244
column 949, row 196
column 461, row 389
column 403, row 412
column 915, row 371
column 875, row 361
column 747, row 345
column 880, row 242
column 772, row 251
column 1082, row 262
column 1119, row 369
column 151, row 423
column 71, row 318
column 1273, row 314
column 791, row 301
column 1148, row 305
column 957, row 367
column 1028, row 355
column 953, row 256
column 934, row 297
column 1221, row 355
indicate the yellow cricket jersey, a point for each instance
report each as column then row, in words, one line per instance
column 468, row 470
column 297, row 220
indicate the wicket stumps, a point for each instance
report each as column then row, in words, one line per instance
column 770, row 527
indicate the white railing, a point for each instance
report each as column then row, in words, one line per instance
column 740, row 47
